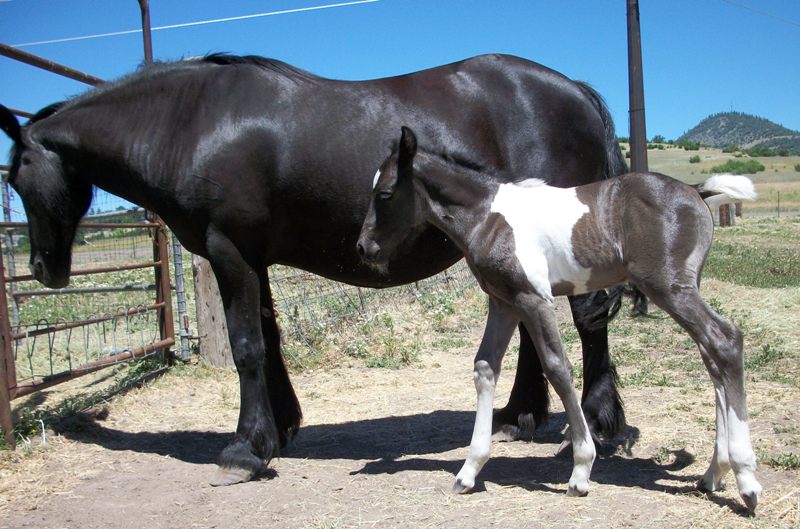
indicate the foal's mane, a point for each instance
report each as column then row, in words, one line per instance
column 450, row 157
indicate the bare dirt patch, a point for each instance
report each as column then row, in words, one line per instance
column 380, row 448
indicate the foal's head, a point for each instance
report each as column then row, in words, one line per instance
column 55, row 197
column 394, row 217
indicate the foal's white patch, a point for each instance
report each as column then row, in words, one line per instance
column 542, row 218
column 375, row 179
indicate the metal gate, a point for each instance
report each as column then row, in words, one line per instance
column 76, row 337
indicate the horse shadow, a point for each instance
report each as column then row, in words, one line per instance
column 388, row 446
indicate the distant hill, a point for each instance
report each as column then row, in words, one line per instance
column 744, row 130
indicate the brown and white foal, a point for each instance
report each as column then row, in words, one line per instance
column 528, row 242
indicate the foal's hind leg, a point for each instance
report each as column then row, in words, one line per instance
column 720, row 344
column 540, row 320
column 500, row 326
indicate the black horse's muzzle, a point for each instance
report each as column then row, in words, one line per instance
column 48, row 275
column 369, row 251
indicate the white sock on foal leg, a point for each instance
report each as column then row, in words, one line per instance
column 743, row 460
column 720, row 465
column 480, row 447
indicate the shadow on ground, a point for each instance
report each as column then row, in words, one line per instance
column 386, row 443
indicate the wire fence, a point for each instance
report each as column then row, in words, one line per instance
column 100, row 316
column 305, row 301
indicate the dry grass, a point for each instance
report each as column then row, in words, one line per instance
column 380, row 447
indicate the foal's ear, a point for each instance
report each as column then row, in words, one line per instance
column 407, row 150
column 10, row 125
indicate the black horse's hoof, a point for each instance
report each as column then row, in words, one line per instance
column 240, row 462
column 512, row 427
column 225, row 476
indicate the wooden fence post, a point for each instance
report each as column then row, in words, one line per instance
column 212, row 330
column 8, row 375
column 724, row 216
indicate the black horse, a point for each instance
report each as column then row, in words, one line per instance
column 252, row 162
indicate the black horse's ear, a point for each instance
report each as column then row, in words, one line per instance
column 10, row 125
column 407, row 149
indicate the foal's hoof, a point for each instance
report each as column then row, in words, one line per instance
column 708, row 485
column 751, row 501
column 578, row 491
column 230, row 476
column 460, row 487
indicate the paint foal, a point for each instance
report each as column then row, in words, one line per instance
column 528, row 242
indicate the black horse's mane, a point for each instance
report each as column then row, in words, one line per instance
column 159, row 69
column 224, row 59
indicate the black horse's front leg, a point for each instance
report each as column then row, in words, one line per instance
column 601, row 403
column 529, row 402
column 282, row 397
column 256, row 440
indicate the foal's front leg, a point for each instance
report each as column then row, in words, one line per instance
column 540, row 319
column 500, row 326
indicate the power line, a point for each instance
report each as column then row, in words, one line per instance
column 763, row 13
column 190, row 24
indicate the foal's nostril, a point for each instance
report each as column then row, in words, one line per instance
column 360, row 249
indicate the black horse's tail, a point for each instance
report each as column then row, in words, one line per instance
column 615, row 166
column 615, row 161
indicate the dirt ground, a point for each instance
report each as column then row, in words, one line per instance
column 380, row 448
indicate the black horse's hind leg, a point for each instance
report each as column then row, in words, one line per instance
column 529, row 402
column 601, row 403
column 283, row 400
column 256, row 440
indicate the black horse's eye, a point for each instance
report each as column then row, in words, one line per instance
column 384, row 195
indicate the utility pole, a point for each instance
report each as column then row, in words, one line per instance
column 636, row 91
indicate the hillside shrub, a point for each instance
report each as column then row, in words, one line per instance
column 739, row 167
column 797, row 167
column 760, row 151
column 695, row 159
column 731, row 148
column 688, row 145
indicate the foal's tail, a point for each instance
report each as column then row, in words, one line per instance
column 725, row 189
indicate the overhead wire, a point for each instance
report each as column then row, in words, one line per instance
column 196, row 23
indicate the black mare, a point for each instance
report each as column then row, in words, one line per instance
column 253, row 162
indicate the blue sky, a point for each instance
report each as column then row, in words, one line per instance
column 700, row 56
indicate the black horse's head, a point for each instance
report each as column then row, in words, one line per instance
column 53, row 194
column 394, row 218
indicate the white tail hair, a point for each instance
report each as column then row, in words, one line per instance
column 729, row 188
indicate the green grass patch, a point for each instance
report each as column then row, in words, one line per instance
column 786, row 461
column 753, row 266
column 739, row 167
